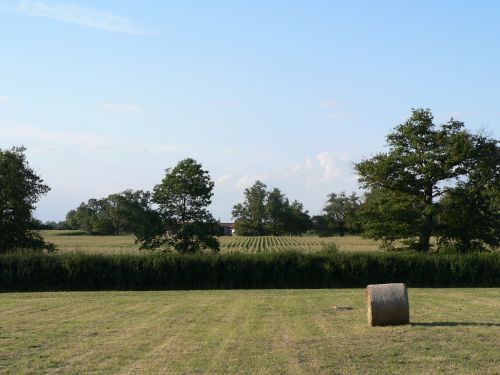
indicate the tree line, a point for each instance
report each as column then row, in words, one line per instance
column 433, row 181
column 262, row 213
column 173, row 216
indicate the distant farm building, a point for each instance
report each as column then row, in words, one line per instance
column 227, row 229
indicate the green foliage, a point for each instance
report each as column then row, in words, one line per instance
column 23, row 272
column 182, row 198
column 423, row 163
column 71, row 220
column 341, row 214
column 388, row 216
column 265, row 212
column 469, row 220
column 251, row 214
column 275, row 209
column 296, row 219
column 329, row 247
column 117, row 214
column 20, row 190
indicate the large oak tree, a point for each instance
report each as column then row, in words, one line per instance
column 20, row 190
column 424, row 162
column 183, row 198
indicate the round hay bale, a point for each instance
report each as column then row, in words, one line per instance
column 387, row 304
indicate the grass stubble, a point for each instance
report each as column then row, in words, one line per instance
column 246, row 332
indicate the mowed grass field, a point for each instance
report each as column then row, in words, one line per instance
column 453, row 331
column 75, row 241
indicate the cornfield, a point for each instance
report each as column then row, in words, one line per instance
column 302, row 244
column 74, row 241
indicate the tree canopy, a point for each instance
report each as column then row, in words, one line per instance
column 269, row 212
column 20, row 189
column 425, row 163
column 183, row 198
column 341, row 213
column 126, row 212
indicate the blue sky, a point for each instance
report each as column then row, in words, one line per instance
column 108, row 94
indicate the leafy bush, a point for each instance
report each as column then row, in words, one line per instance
column 31, row 271
column 329, row 247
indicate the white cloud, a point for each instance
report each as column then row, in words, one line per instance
column 85, row 140
column 222, row 180
column 329, row 166
column 71, row 13
column 341, row 115
column 4, row 99
column 130, row 108
column 330, row 103
column 53, row 140
column 325, row 168
column 248, row 180
column 335, row 112
column 307, row 165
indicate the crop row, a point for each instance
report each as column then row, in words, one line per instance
column 269, row 244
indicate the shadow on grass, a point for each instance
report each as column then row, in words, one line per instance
column 455, row 324
column 71, row 233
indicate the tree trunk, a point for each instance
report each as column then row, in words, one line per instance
column 426, row 232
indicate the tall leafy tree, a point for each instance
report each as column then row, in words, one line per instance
column 423, row 162
column 276, row 205
column 183, row 198
column 71, row 220
column 269, row 212
column 341, row 212
column 251, row 214
column 469, row 217
column 85, row 217
column 468, row 220
column 320, row 225
column 390, row 215
column 134, row 213
column 126, row 212
column 296, row 218
column 20, row 190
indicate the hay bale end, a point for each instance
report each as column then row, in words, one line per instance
column 387, row 304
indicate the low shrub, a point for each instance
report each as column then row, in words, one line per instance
column 329, row 247
column 43, row 272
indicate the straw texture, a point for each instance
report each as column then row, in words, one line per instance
column 387, row 304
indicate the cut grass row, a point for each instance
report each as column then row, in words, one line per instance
column 453, row 331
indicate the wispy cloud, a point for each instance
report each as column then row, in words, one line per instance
column 329, row 166
column 87, row 141
column 71, row 13
column 4, row 99
column 330, row 103
column 54, row 140
column 130, row 108
column 341, row 115
column 307, row 165
column 222, row 180
column 335, row 111
column 325, row 167
column 248, row 180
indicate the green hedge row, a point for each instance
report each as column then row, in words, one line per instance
column 42, row 272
